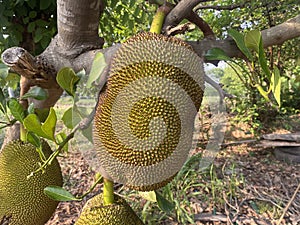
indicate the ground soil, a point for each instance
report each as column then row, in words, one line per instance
column 268, row 182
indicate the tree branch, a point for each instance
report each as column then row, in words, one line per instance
column 278, row 34
column 273, row 36
column 204, row 27
column 180, row 11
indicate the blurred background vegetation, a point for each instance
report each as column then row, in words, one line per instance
column 31, row 24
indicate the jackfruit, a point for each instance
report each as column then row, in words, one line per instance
column 144, row 121
column 119, row 213
column 22, row 200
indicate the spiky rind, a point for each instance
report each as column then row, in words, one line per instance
column 21, row 199
column 95, row 213
column 144, row 121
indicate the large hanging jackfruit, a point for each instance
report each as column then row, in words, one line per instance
column 144, row 122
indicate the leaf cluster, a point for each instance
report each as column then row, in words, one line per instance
column 122, row 19
column 27, row 23
column 259, row 74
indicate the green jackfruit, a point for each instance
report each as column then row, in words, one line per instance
column 22, row 200
column 144, row 121
column 118, row 213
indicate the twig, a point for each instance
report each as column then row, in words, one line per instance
column 97, row 181
column 227, row 211
column 261, row 198
column 288, row 205
column 180, row 11
column 180, row 29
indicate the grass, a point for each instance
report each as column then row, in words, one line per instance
column 191, row 191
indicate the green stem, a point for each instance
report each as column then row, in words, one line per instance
column 23, row 133
column 98, row 180
column 158, row 20
column 108, row 192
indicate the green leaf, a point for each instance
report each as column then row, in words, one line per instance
column 2, row 102
column 42, row 23
column 60, row 138
column 36, row 93
column 16, row 109
column 276, row 85
column 217, row 54
column 97, row 67
column 45, row 41
column 114, row 3
column 38, row 34
column 137, row 11
column 164, row 204
column 130, row 24
column 67, row 79
column 125, row 18
column 239, row 40
column 33, row 14
column 297, row 80
column 31, row 3
column 30, row 108
column 67, row 118
column 59, row 194
column 262, row 92
column 12, row 80
column 33, row 139
column 44, row 4
column 49, row 125
column 78, row 113
column 148, row 195
column 252, row 40
column 88, row 133
column 33, row 124
column 262, row 60
column 42, row 113
column 131, row 3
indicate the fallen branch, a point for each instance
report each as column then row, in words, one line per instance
column 239, row 142
column 210, row 217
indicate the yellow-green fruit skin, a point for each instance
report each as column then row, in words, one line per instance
column 22, row 200
column 118, row 213
column 144, row 122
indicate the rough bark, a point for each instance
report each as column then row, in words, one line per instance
column 77, row 25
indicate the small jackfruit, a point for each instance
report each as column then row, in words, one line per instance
column 118, row 213
column 144, row 122
column 22, row 200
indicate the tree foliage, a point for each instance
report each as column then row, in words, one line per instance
column 122, row 19
column 27, row 23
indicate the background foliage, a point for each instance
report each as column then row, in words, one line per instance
column 31, row 24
